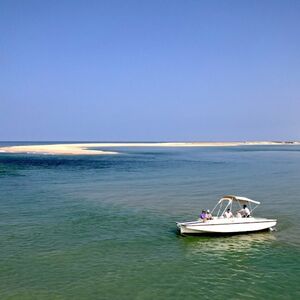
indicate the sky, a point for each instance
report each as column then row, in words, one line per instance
column 156, row 70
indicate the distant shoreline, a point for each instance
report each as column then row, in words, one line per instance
column 85, row 148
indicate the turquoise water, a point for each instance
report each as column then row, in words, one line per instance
column 103, row 227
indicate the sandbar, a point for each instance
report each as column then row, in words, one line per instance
column 57, row 149
column 85, row 148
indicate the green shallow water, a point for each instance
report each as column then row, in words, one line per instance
column 103, row 227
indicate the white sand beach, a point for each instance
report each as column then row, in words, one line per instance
column 58, row 149
column 85, row 148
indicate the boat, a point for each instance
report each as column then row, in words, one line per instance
column 242, row 221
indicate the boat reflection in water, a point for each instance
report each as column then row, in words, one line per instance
column 239, row 260
column 226, row 244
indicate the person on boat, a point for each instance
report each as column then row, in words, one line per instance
column 203, row 215
column 228, row 214
column 208, row 215
column 244, row 212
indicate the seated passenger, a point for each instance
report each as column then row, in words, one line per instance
column 203, row 215
column 228, row 214
column 244, row 212
column 208, row 215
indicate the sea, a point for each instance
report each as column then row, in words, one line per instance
column 104, row 226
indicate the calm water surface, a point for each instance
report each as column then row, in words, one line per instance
column 103, row 227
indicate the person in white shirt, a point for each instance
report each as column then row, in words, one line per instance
column 208, row 215
column 228, row 214
column 245, row 212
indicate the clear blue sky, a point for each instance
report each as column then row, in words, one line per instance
column 150, row 70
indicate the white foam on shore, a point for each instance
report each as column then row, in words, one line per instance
column 84, row 148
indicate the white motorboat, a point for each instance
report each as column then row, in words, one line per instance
column 221, row 223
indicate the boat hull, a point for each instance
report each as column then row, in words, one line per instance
column 226, row 226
